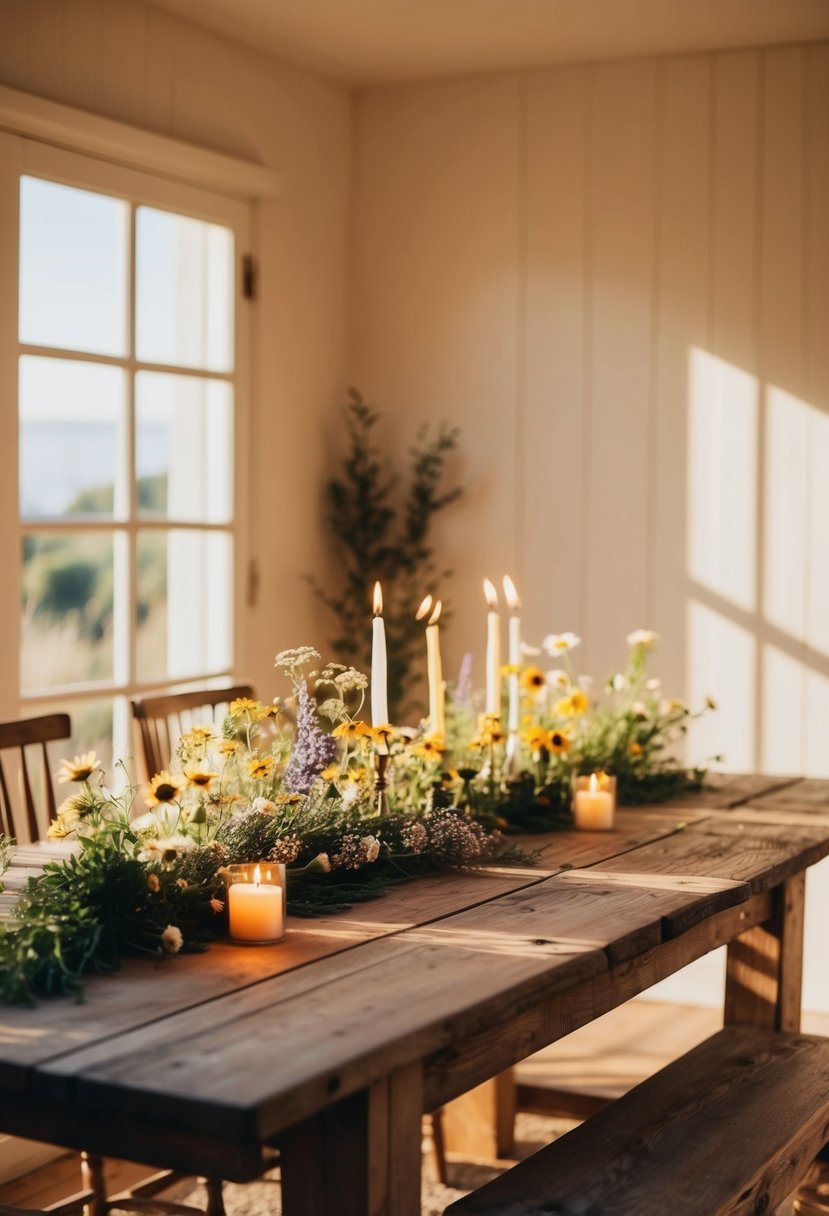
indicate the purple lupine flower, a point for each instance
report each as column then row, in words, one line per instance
column 313, row 750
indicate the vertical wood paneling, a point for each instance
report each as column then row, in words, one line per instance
column 622, row 217
column 14, row 43
column 784, row 457
column 46, row 57
column 557, row 149
column 82, row 53
column 721, row 646
column 682, row 325
column 816, row 303
column 125, row 78
column 158, row 97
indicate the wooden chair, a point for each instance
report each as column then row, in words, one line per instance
column 163, row 719
column 27, row 794
column 728, row 1129
column 34, row 808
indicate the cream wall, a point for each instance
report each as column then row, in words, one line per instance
column 130, row 62
column 616, row 279
column 538, row 257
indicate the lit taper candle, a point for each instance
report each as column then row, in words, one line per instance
column 437, row 718
column 514, row 652
column 493, row 651
column 379, row 676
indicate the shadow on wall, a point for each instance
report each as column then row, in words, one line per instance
column 757, row 591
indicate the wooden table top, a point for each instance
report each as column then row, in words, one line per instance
column 197, row 1061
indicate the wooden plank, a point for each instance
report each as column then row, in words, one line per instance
column 724, row 790
column 763, row 1096
column 451, row 1072
column 144, row 991
column 764, row 969
column 762, row 855
column 804, row 795
column 335, row 1029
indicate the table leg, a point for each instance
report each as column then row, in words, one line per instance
column 481, row 1123
column 764, row 971
column 359, row 1157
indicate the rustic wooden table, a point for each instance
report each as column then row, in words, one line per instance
column 332, row 1045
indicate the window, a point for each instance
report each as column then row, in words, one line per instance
column 130, row 376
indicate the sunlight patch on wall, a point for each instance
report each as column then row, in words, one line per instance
column 721, row 663
column 785, row 511
column 722, row 478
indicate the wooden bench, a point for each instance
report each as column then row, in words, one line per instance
column 730, row 1128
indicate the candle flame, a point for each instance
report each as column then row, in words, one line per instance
column 268, row 876
column 257, row 876
column 433, row 619
column 378, row 600
column 512, row 595
column 424, row 608
column 594, row 783
column 490, row 593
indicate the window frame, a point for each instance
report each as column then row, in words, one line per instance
column 22, row 156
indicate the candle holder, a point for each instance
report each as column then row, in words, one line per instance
column 594, row 802
column 256, row 902
column 381, row 764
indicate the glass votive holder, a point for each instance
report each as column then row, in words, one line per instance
column 594, row 802
column 256, row 902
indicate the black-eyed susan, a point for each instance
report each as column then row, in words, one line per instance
column 260, row 767
column 164, row 788
column 430, row 747
column 493, row 735
column 351, row 731
column 580, row 702
column 533, row 679
column 200, row 778
column 196, row 741
column 558, row 742
column 79, row 769
column 229, row 747
column 382, row 734
column 536, row 737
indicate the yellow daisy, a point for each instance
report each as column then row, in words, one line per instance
column 430, row 747
column 351, row 730
column 260, row 766
column 164, row 787
column 635, row 748
column 536, row 738
column 229, row 747
column 330, row 773
column 79, row 769
column 558, row 742
column 382, row 734
column 533, row 679
column 197, row 739
column 199, row 778
column 254, row 710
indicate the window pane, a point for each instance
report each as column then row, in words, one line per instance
column 71, row 438
column 184, row 604
column 183, row 447
column 92, row 730
column 184, row 291
column 73, row 268
column 67, row 606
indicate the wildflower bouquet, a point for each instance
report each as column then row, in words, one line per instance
column 295, row 788
column 524, row 783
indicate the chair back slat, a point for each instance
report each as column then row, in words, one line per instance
column 163, row 719
column 31, row 807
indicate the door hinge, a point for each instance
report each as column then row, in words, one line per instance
column 248, row 277
column 253, row 583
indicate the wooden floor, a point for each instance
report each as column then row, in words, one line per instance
column 590, row 1067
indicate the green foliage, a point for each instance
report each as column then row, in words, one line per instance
column 381, row 521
